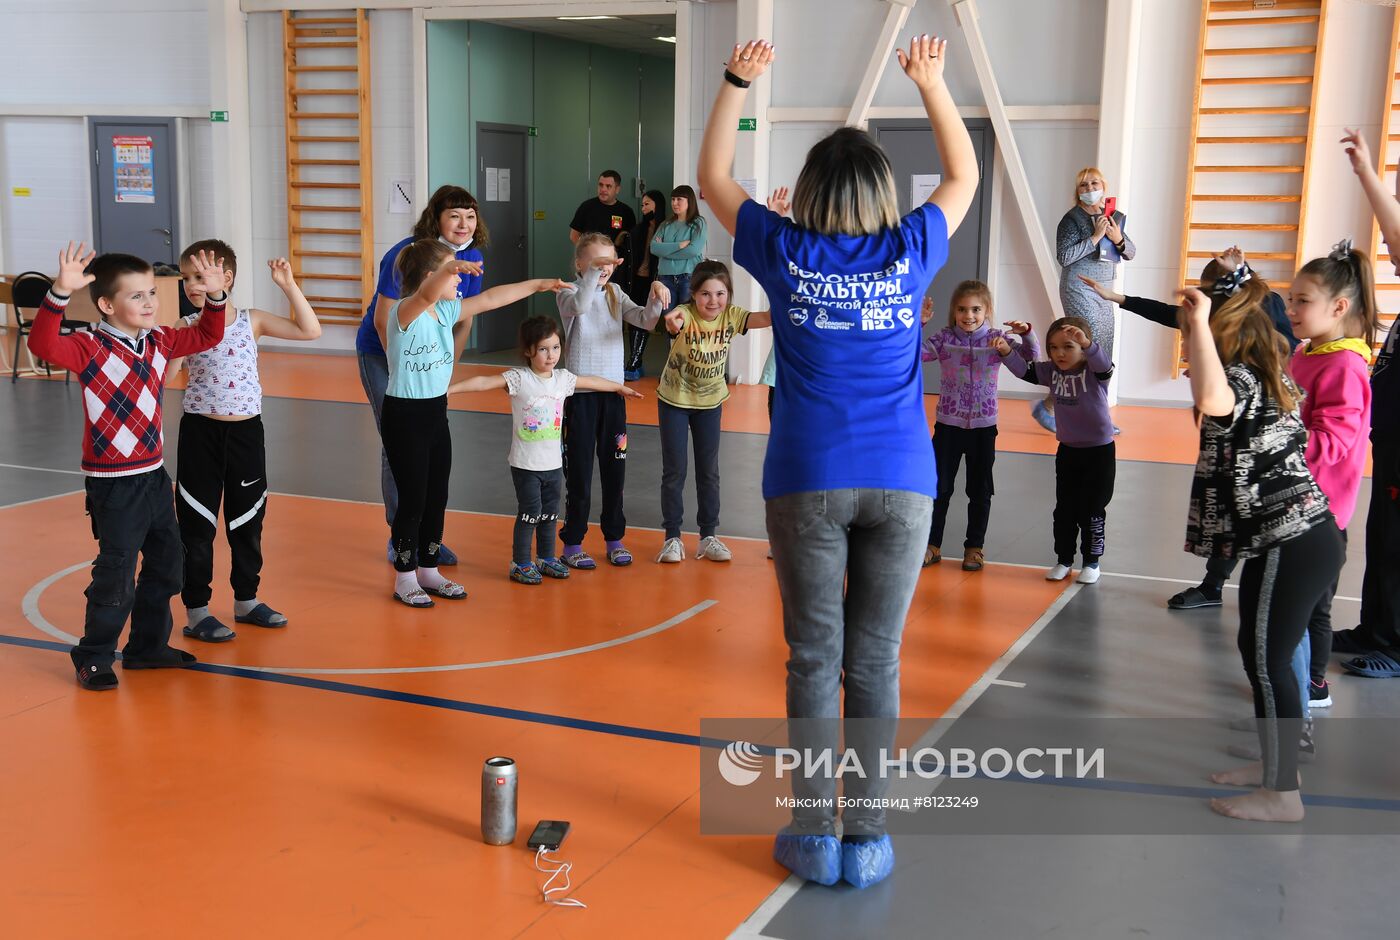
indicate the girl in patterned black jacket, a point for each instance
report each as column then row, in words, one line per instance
column 1254, row 498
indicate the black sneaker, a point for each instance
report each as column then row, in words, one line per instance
column 97, row 678
column 1193, row 597
column 1319, row 696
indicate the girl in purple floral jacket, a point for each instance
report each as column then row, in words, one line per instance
column 967, row 411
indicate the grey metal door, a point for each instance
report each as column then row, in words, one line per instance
column 501, row 193
column 133, row 187
column 910, row 147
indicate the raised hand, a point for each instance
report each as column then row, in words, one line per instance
column 750, row 59
column 605, row 262
column 1358, row 152
column 1019, row 327
column 675, row 321
column 924, row 61
column 281, row 270
column 1231, row 258
column 1075, row 335
column 999, row 343
column 467, row 267
column 72, row 267
column 208, row 272
column 780, row 202
column 926, row 311
column 661, row 293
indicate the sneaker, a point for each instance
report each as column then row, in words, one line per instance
column 713, row 549
column 1057, row 573
column 672, row 553
column 1089, row 574
column 973, row 559
column 1043, row 416
column 552, row 568
column 1193, row 597
column 1319, row 695
column 525, row 574
column 932, row 556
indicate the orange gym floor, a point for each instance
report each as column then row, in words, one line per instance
column 348, row 803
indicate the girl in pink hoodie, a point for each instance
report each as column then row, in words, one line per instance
column 1332, row 306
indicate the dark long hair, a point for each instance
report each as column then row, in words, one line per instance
column 446, row 199
column 692, row 210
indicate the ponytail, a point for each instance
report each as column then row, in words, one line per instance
column 1347, row 272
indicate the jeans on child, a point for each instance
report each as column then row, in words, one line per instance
column 537, row 512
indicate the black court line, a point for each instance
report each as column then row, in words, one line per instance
column 674, row 737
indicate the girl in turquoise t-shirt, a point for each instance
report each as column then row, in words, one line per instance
column 414, row 420
column 679, row 244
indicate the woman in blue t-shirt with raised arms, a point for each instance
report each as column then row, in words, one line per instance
column 849, row 478
column 451, row 217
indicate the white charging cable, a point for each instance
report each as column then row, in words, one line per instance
column 564, row 868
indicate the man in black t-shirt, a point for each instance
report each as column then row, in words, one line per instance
column 605, row 214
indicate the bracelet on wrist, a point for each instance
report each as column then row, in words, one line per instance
column 735, row 80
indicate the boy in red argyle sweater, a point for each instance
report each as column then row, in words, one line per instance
column 121, row 364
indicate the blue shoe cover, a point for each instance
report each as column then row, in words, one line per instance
column 446, row 556
column 815, row 858
column 1043, row 416
column 866, row 863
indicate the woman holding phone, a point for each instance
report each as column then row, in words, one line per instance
column 1091, row 241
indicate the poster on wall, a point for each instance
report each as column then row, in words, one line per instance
column 134, row 165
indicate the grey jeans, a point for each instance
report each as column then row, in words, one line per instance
column 374, row 376
column 847, row 564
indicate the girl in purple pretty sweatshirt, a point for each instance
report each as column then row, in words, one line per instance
column 1077, row 375
column 967, row 411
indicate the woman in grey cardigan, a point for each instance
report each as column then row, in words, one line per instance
column 1090, row 243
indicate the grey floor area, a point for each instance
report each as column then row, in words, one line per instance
column 1111, row 650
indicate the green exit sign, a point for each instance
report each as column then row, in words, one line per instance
column 534, row 132
column 218, row 116
column 748, row 124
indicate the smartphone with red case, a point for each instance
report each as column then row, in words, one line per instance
column 1110, row 205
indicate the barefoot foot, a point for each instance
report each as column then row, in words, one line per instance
column 1250, row 775
column 1262, row 806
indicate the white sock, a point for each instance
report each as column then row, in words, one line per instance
column 429, row 578
column 404, row 583
column 196, row 614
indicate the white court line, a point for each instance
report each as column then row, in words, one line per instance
column 39, row 499
column 16, row 466
column 1008, row 682
column 1134, row 577
column 30, row 606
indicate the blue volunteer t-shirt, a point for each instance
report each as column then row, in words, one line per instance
column 848, row 407
column 367, row 339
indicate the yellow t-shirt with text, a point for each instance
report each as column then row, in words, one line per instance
column 694, row 376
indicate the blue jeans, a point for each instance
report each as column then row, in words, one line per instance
column 679, row 285
column 703, row 428
column 374, row 376
column 847, row 563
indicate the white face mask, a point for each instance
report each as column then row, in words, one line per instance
column 462, row 247
column 1092, row 197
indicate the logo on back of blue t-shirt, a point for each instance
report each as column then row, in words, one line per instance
column 824, row 322
column 798, row 316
